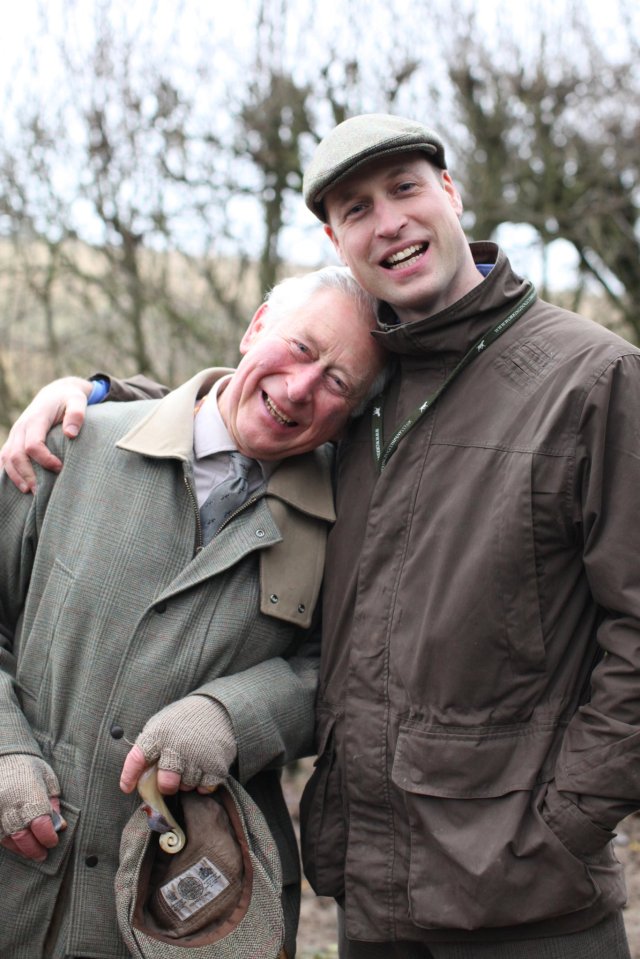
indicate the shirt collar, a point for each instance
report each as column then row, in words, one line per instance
column 211, row 436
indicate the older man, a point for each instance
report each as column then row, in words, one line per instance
column 125, row 609
column 478, row 709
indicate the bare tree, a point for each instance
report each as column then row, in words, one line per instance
column 549, row 136
column 114, row 220
column 148, row 201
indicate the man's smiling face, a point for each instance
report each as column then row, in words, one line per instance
column 301, row 376
column 395, row 223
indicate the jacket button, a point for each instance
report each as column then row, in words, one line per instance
column 91, row 861
column 260, row 533
column 301, row 608
column 161, row 607
column 273, row 598
column 117, row 731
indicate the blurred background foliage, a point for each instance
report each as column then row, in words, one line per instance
column 151, row 157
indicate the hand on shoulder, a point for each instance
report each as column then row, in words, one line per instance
column 61, row 401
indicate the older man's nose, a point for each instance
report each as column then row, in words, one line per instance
column 302, row 382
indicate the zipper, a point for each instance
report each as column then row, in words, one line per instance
column 198, row 545
column 248, row 502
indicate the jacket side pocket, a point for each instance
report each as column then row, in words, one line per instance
column 30, row 892
column 472, row 798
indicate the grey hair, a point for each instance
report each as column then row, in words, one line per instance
column 292, row 293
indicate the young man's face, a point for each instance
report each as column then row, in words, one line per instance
column 300, row 377
column 396, row 224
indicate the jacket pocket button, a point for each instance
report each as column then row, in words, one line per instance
column 91, row 861
column 161, row 608
column 117, row 731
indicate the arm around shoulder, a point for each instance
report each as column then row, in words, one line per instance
column 137, row 387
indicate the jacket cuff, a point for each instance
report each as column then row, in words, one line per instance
column 271, row 714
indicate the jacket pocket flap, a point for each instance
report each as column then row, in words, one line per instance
column 471, row 762
column 58, row 855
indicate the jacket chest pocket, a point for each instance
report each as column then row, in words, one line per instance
column 39, row 628
column 538, row 560
column 470, row 587
column 517, row 562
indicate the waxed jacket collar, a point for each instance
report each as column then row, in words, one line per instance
column 452, row 330
column 304, row 482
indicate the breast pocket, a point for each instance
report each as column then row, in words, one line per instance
column 41, row 619
column 470, row 584
column 481, row 855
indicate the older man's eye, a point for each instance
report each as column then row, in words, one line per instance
column 337, row 384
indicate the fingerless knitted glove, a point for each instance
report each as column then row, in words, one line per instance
column 193, row 737
column 26, row 783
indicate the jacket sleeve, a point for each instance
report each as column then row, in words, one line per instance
column 137, row 387
column 599, row 762
column 20, row 520
column 271, row 706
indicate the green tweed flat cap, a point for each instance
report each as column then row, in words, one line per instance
column 358, row 140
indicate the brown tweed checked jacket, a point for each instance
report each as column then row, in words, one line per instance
column 108, row 613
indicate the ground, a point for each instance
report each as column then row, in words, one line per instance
column 317, row 934
column 629, row 854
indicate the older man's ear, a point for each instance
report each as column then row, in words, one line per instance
column 255, row 327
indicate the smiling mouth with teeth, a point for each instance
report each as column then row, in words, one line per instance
column 277, row 414
column 405, row 257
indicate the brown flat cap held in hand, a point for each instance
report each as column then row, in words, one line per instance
column 220, row 896
column 358, row 140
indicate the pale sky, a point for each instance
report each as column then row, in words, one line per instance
column 179, row 24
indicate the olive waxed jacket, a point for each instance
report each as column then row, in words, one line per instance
column 479, row 707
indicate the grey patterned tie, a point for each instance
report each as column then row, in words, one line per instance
column 226, row 497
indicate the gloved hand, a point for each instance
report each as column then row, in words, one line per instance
column 192, row 737
column 28, row 791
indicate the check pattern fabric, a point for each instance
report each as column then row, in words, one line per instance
column 143, row 619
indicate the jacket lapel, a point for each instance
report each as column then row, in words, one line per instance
column 288, row 525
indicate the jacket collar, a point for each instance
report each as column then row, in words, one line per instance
column 453, row 330
column 304, row 482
